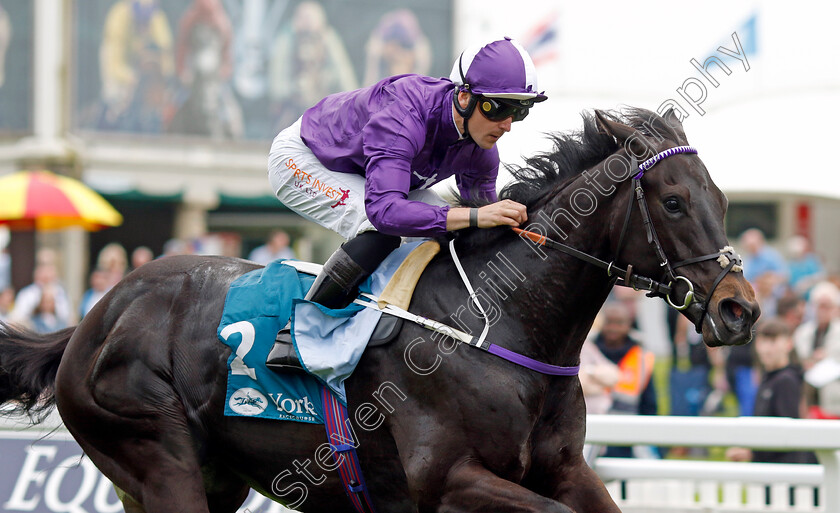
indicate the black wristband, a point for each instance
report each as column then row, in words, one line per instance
column 473, row 218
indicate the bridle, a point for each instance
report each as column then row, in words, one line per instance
column 726, row 257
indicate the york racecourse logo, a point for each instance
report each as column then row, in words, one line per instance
column 248, row 401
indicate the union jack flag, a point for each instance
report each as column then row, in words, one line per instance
column 542, row 41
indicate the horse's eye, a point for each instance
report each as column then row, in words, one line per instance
column 672, row 205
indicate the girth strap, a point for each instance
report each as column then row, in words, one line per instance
column 340, row 438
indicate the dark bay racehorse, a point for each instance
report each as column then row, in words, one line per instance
column 140, row 382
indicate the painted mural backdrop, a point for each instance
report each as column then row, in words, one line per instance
column 15, row 66
column 241, row 69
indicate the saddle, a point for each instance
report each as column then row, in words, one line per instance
column 398, row 292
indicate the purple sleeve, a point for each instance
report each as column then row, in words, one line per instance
column 478, row 181
column 392, row 138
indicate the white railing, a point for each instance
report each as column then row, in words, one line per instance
column 677, row 486
column 657, row 486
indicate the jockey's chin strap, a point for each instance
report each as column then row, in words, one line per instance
column 726, row 257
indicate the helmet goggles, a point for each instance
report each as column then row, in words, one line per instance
column 499, row 109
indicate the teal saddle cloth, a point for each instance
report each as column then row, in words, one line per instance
column 257, row 306
column 329, row 342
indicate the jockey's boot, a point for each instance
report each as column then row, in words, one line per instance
column 336, row 286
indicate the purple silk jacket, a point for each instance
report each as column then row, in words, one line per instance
column 400, row 135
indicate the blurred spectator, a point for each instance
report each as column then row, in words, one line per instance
column 791, row 309
column 174, row 247
column 761, row 259
column 7, row 302
column 45, row 277
column 834, row 279
column 768, row 289
column 597, row 377
column 690, row 370
column 397, row 46
column 821, row 336
column 45, row 318
column 765, row 269
column 113, row 261
column 817, row 344
column 743, row 377
column 804, row 266
column 5, row 268
column 99, row 286
column 634, row 393
column 780, row 391
column 141, row 255
column 277, row 246
column 630, row 299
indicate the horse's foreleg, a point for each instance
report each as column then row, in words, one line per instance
column 583, row 491
column 472, row 488
column 129, row 505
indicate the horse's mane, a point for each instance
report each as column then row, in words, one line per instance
column 573, row 152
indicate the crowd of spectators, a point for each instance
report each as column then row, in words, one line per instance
column 44, row 305
column 792, row 368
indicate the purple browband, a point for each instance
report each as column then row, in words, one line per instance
column 649, row 163
column 524, row 361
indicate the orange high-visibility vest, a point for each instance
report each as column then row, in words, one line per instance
column 636, row 369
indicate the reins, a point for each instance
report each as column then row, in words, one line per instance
column 626, row 277
column 620, row 276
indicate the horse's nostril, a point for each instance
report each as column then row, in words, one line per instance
column 732, row 311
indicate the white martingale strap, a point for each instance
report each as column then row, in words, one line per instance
column 427, row 323
column 471, row 291
column 370, row 301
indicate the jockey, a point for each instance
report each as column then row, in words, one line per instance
column 360, row 162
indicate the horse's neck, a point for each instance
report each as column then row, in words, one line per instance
column 556, row 296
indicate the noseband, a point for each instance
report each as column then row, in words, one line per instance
column 726, row 257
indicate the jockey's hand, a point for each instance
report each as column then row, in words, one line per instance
column 502, row 213
column 505, row 212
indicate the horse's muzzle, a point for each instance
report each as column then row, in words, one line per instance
column 730, row 321
column 739, row 317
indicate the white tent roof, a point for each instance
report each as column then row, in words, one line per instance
column 780, row 143
column 773, row 143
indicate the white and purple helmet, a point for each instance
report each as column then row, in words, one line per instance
column 499, row 69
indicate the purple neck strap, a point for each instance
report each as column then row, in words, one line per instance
column 649, row 163
column 524, row 361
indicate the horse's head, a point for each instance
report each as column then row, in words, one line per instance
column 681, row 241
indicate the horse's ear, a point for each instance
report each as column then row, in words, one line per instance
column 611, row 127
column 670, row 116
column 627, row 136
